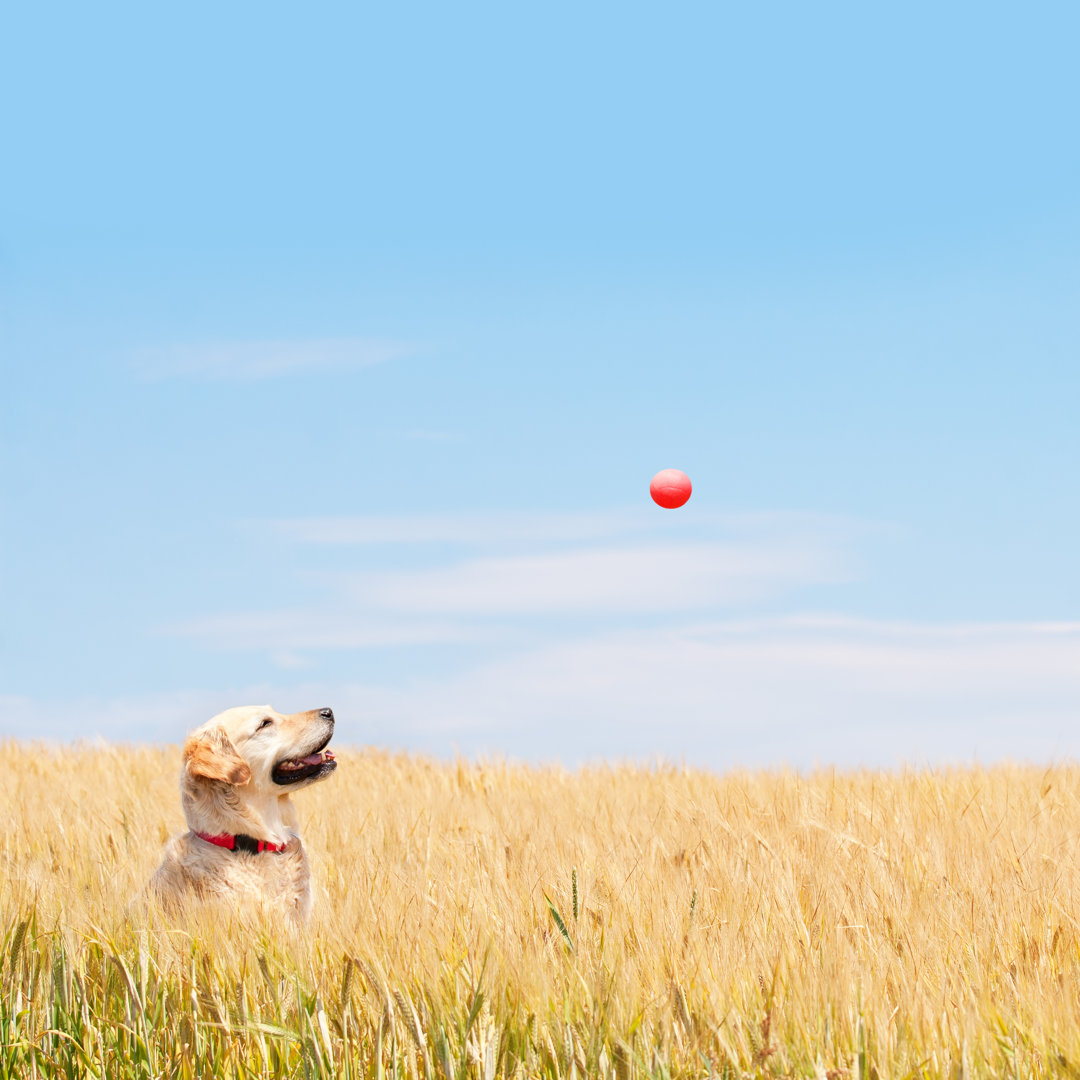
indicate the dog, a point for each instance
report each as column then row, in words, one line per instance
column 242, row 844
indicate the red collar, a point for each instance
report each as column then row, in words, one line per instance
column 241, row 842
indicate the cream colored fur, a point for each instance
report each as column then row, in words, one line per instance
column 227, row 786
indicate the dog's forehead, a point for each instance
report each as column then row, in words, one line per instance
column 240, row 716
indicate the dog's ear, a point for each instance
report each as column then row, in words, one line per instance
column 210, row 755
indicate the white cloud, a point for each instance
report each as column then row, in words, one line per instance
column 163, row 717
column 579, row 668
column 787, row 690
column 287, row 634
column 491, row 528
column 442, row 604
column 477, row 529
column 796, row 690
column 250, row 360
column 560, row 565
column 634, row 580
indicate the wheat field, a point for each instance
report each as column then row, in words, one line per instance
column 490, row 920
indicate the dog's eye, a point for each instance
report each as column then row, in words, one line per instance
column 266, row 723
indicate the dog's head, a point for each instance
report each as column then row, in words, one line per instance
column 257, row 746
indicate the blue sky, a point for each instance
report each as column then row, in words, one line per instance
column 339, row 347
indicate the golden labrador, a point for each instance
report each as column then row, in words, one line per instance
column 239, row 771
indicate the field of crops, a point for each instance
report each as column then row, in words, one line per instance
column 490, row 920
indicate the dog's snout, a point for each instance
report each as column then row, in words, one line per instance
column 327, row 714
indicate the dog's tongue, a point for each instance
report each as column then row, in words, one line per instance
column 316, row 759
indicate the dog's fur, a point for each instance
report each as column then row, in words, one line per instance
column 230, row 783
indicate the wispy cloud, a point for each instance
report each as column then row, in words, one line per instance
column 801, row 691
column 585, row 635
column 525, row 570
column 286, row 634
column 796, row 690
column 489, row 528
column 252, row 360
column 610, row 580
column 476, row 529
column 153, row 717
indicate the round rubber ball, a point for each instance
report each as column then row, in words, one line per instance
column 670, row 488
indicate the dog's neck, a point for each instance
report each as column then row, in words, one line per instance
column 213, row 807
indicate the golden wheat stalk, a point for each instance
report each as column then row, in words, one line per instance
column 839, row 924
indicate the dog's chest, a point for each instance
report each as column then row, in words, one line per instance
column 278, row 880
column 274, row 877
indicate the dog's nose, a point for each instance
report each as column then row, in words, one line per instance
column 327, row 714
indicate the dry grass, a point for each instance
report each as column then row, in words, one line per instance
column 491, row 920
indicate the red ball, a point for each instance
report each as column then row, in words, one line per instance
column 670, row 488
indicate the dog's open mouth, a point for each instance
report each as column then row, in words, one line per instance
column 292, row 770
